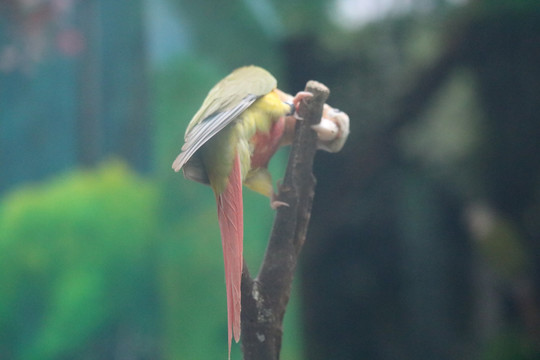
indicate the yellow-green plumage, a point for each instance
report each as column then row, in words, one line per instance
column 242, row 104
column 219, row 152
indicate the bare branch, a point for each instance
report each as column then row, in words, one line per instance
column 265, row 298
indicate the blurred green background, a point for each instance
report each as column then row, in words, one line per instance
column 425, row 235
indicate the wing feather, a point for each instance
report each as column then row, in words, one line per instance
column 207, row 128
column 223, row 104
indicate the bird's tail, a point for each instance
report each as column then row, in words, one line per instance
column 230, row 216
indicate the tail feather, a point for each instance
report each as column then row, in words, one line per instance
column 230, row 216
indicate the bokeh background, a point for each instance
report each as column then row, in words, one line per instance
column 425, row 234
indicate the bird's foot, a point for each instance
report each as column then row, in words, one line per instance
column 274, row 203
column 326, row 130
column 333, row 130
column 298, row 98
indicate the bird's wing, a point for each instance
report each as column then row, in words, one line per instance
column 224, row 103
column 207, row 128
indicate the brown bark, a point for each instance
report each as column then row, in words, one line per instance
column 265, row 298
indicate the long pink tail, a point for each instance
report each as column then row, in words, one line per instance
column 231, row 224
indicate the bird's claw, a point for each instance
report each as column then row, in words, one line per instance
column 333, row 130
column 274, row 203
column 326, row 130
column 298, row 98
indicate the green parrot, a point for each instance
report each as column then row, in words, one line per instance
column 229, row 142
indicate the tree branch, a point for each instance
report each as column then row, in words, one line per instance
column 265, row 298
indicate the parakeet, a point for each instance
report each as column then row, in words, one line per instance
column 229, row 142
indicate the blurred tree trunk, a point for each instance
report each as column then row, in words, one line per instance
column 89, row 81
column 504, row 54
column 113, row 112
column 77, row 92
column 126, row 125
column 388, row 265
